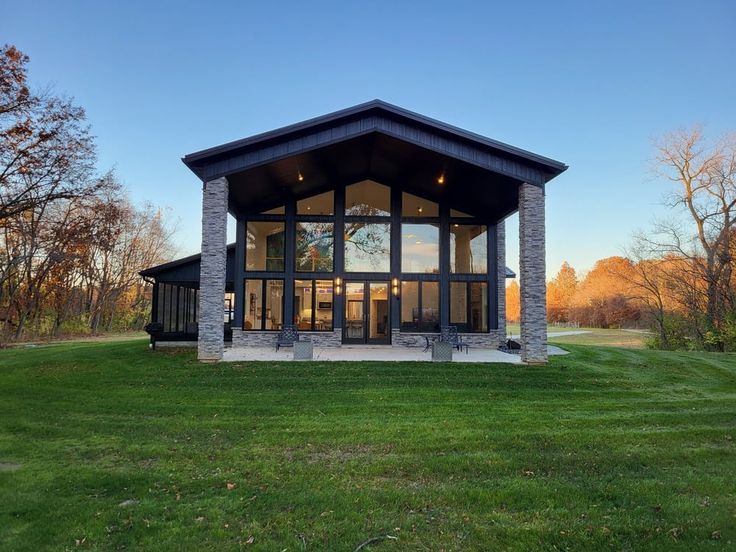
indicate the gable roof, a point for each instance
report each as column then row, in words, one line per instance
column 196, row 160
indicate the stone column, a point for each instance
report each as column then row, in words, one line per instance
column 212, row 270
column 532, row 274
column 501, row 279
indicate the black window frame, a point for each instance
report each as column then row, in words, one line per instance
column 260, row 219
column 312, row 323
column 419, row 327
column 263, row 281
column 468, row 309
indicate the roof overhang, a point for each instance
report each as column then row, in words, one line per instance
column 377, row 141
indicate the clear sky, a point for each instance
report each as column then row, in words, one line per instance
column 588, row 83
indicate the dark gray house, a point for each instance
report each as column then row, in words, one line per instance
column 370, row 225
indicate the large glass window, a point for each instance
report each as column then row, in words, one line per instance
column 265, row 246
column 420, row 306
column 468, row 249
column 367, row 247
column 415, row 206
column 313, row 305
column 264, row 304
column 315, row 246
column 420, row 248
column 368, row 199
column 276, row 211
column 469, row 306
column 322, row 204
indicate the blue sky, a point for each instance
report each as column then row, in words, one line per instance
column 588, row 83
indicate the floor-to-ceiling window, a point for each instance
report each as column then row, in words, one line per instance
column 367, row 227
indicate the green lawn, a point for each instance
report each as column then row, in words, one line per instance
column 592, row 336
column 605, row 448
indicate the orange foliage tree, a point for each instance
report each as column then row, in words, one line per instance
column 513, row 302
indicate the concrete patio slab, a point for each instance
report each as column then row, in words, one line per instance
column 381, row 353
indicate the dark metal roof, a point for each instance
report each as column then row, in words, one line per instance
column 195, row 160
column 186, row 269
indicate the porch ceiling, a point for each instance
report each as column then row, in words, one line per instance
column 380, row 142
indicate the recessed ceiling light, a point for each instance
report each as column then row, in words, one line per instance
column 441, row 178
column 419, row 209
column 419, row 242
column 300, row 176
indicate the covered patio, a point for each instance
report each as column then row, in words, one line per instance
column 372, row 225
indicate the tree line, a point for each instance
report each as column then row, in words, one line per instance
column 71, row 241
column 678, row 277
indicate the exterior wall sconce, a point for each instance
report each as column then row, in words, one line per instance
column 338, row 286
column 395, row 287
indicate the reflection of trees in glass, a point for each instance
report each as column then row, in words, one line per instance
column 367, row 246
column 314, row 246
column 365, row 210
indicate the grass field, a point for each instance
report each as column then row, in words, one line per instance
column 110, row 446
column 593, row 336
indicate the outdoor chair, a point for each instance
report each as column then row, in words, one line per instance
column 287, row 337
column 448, row 334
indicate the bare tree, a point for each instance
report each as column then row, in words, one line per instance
column 46, row 150
column 705, row 179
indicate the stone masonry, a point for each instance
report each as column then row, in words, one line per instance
column 489, row 340
column 501, row 277
column 243, row 338
column 212, row 270
column 532, row 274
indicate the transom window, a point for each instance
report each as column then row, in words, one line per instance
column 468, row 249
column 367, row 199
column 322, row 204
column 459, row 214
column 415, row 206
column 264, row 304
column 420, row 248
column 265, row 246
column 313, row 305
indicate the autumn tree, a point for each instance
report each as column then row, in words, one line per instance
column 46, row 150
column 560, row 292
column 513, row 302
column 603, row 299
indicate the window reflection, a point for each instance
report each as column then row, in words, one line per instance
column 265, row 246
column 368, row 199
column 468, row 249
column 420, row 248
column 322, row 204
column 314, row 246
column 367, row 247
column 415, row 206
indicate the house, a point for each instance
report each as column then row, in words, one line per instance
column 370, row 225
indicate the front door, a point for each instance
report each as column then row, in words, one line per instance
column 367, row 317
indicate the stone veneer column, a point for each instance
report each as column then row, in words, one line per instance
column 532, row 274
column 211, row 342
column 501, row 279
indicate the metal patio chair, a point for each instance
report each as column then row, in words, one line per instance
column 286, row 337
